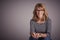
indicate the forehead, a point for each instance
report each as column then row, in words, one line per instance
column 40, row 8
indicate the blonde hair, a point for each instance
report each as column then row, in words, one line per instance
column 35, row 14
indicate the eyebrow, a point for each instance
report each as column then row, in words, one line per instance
column 40, row 10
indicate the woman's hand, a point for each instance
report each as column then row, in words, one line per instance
column 34, row 35
column 43, row 35
column 38, row 35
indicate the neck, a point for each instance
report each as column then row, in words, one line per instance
column 41, row 20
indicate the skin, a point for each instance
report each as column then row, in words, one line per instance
column 40, row 13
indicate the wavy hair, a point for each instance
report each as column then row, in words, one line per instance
column 35, row 17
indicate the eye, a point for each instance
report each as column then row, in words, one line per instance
column 38, row 10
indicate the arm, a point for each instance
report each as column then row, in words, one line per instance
column 32, row 29
column 49, row 27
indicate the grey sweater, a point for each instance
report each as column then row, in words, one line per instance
column 38, row 28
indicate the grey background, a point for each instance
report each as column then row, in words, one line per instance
column 16, row 15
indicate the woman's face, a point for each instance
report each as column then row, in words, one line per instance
column 40, row 12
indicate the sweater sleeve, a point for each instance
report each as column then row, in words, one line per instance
column 49, row 27
column 32, row 29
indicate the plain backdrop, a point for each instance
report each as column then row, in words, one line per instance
column 16, row 15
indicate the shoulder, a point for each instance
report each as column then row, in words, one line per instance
column 49, row 19
column 32, row 21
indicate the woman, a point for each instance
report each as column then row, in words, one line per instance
column 40, row 24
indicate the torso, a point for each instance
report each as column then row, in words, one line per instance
column 40, row 26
